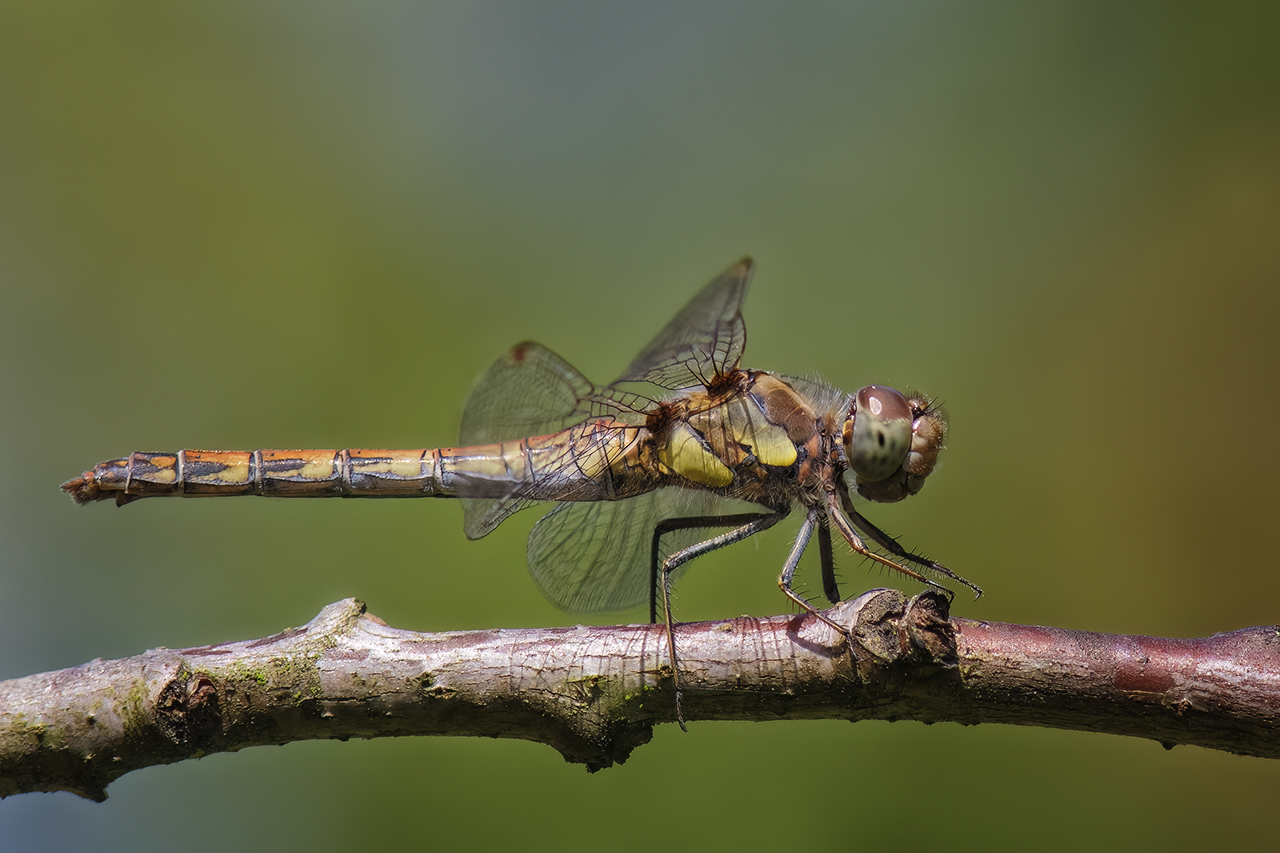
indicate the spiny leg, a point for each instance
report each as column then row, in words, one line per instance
column 856, row 543
column 814, row 518
column 747, row 524
column 891, row 545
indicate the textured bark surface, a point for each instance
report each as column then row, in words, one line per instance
column 594, row 694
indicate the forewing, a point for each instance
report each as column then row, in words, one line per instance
column 597, row 556
column 703, row 341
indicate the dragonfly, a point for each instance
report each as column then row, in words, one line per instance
column 685, row 453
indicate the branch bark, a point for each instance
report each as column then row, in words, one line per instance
column 595, row 693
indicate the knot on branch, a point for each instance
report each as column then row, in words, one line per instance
column 187, row 711
column 893, row 634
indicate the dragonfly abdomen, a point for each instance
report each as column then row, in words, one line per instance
column 276, row 473
column 577, row 464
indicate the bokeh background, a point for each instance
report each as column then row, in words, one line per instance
column 312, row 224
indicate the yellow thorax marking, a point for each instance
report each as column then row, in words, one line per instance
column 684, row 453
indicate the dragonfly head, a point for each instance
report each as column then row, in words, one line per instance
column 891, row 442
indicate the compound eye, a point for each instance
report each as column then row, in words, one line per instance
column 880, row 437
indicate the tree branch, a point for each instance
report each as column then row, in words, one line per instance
column 595, row 693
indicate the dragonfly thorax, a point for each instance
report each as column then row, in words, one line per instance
column 754, row 430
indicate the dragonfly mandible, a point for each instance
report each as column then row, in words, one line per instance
column 686, row 441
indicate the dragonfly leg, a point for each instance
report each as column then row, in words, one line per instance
column 744, row 525
column 891, row 545
column 829, row 586
column 814, row 518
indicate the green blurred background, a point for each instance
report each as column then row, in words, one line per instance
column 312, row 224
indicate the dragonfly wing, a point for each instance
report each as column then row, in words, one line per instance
column 597, row 555
column 528, row 391
column 481, row 515
column 703, row 341
column 531, row 391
